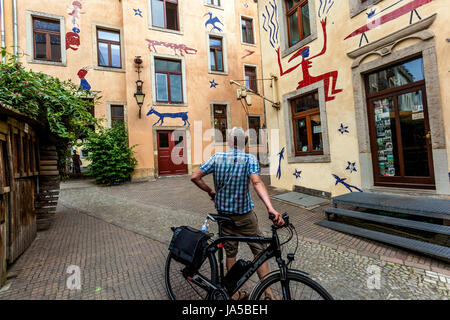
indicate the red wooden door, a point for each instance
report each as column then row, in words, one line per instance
column 172, row 153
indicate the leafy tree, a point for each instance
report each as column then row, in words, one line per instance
column 61, row 106
column 112, row 158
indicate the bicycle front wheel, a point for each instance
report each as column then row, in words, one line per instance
column 300, row 287
column 179, row 288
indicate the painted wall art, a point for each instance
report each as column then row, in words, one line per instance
column 82, row 75
column 182, row 115
column 377, row 20
column 343, row 129
column 213, row 84
column 280, row 157
column 138, row 12
column 247, row 53
column 73, row 41
column 297, row 174
column 177, row 48
column 213, row 22
column 270, row 23
column 345, row 184
column 351, row 166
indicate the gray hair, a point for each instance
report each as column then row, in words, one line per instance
column 237, row 137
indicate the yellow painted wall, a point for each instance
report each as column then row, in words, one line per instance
column 343, row 148
column 119, row 87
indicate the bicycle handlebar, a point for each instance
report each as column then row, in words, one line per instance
column 285, row 218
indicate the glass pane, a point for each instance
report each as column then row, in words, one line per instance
column 412, row 125
column 55, row 47
column 293, row 28
column 305, row 21
column 163, row 139
column 40, row 44
column 386, row 137
column 103, row 54
column 214, row 42
column 292, row 3
column 219, row 61
column 316, row 132
column 162, row 91
column 46, row 25
column 115, row 56
column 158, row 13
column 117, row 111
column 395, row 76
column 108, row 35
column 167, row 65
column 212, row 60
column 302, row 135
column 172, row 16
column 176, row 91
column 305, row 103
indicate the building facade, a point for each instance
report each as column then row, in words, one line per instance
column 187, row 53
column 362, row 86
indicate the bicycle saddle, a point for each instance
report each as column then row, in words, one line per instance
column 220, row 218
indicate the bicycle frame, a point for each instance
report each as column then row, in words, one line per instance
column 273, row 250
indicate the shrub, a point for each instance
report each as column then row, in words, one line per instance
column 112, row 158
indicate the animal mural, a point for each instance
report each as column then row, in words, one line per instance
column 182, row 115
column 73, row 37
column 345, row 184
column 280, row 157
column 152, row 44
column 329, row 78
column 213, row 21
column 410, row 7
column 83, row 82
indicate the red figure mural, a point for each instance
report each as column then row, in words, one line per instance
column 72, row 41
column 329, row 78
column 174, row 46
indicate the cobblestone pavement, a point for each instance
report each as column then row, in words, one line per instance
column 118, row 236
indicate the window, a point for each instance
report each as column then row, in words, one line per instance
column 216, row 54
column 254, row 125
column 250, row 78
column 46, row 40
column 165, row 14
column 307, row 126
column 220, row 122
column 213, row 2
column 169, row 81
column 108, row 45
column 247, row 31
column 297, row 14
column 117, row 115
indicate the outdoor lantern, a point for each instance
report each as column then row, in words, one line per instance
column 139, row 95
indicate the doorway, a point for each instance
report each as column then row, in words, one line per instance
column 172, row 159
column 399, row 128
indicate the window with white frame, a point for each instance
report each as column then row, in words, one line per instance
column 165, row 14
column 247, row 30
column 168, row 80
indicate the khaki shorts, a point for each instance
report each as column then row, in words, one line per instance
column 244, row 225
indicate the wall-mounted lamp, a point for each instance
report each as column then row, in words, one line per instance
column 139, row 95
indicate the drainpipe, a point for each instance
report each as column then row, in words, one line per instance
column 2, row 26
column 15, row 33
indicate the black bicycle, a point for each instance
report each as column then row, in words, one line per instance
column 209, row 282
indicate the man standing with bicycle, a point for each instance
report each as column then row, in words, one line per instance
column 233, row 170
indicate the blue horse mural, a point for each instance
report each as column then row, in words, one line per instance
column 182, row 115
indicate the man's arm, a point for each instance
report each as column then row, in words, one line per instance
column 261, row 190
column 197, row 179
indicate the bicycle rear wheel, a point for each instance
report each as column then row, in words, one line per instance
column 300, row 286
column 179, row 288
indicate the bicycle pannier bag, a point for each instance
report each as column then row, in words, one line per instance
column 188, row 245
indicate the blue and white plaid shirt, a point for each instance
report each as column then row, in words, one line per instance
column 232, row 171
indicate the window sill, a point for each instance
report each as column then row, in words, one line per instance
column 99, row 68
column 310, row 158
column 298, row 45
column 221, row 73
column 248, row 44
column 50, row 63
column 214, row 7
column 167, row 104
column 180, row 32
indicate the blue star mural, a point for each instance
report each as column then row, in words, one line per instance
column 351, row 166
column 297, row 174
column 213, row 84
column 343, row 129
column 138, row 12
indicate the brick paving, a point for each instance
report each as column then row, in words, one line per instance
column 118, row 237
